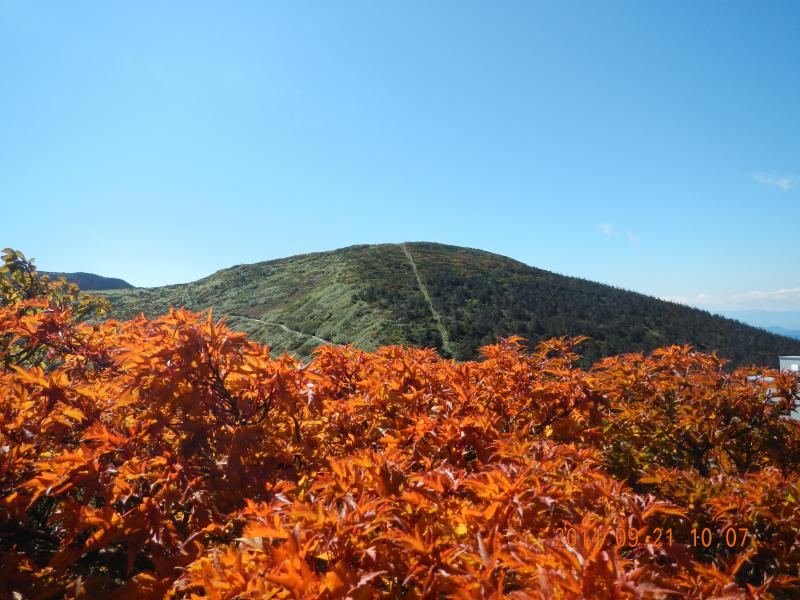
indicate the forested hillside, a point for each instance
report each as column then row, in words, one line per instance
column 370, row 296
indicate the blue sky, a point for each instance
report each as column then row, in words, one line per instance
column 653, row 146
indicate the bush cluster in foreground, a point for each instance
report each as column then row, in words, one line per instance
column 174, row 458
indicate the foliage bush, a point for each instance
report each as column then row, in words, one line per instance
column 174, row 458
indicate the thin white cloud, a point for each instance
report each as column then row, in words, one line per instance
column 782, row 182
column 607, row 229
column 780, row 299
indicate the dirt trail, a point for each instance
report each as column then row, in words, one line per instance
column 287, row 329
column 273, row 323
column 437, row 319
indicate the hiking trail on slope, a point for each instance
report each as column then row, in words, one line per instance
column 437, row 319
column 287, row 329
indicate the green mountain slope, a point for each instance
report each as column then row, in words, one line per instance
column 455, row 299
column 90, row 281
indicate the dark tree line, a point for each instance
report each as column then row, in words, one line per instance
column 481, row 296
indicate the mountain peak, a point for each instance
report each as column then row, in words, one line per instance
column 452, row 298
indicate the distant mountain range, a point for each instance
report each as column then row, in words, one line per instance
column 450, row 298
column 90, row 281
column 782, row 322
column 785, row 332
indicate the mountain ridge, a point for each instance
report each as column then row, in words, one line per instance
column 370, row 295
column 790, row 333
column 90, row 281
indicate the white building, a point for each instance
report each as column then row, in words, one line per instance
column 790, row 363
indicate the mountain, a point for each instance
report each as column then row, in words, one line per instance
column 785, row 332
column 783, row 322
column 90, row 281
column 455, row 299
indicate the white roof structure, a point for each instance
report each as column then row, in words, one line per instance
column 790, row 363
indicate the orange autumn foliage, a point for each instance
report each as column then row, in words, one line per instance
column 174, row 458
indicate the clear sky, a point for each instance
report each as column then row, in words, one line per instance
column 653, row 146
